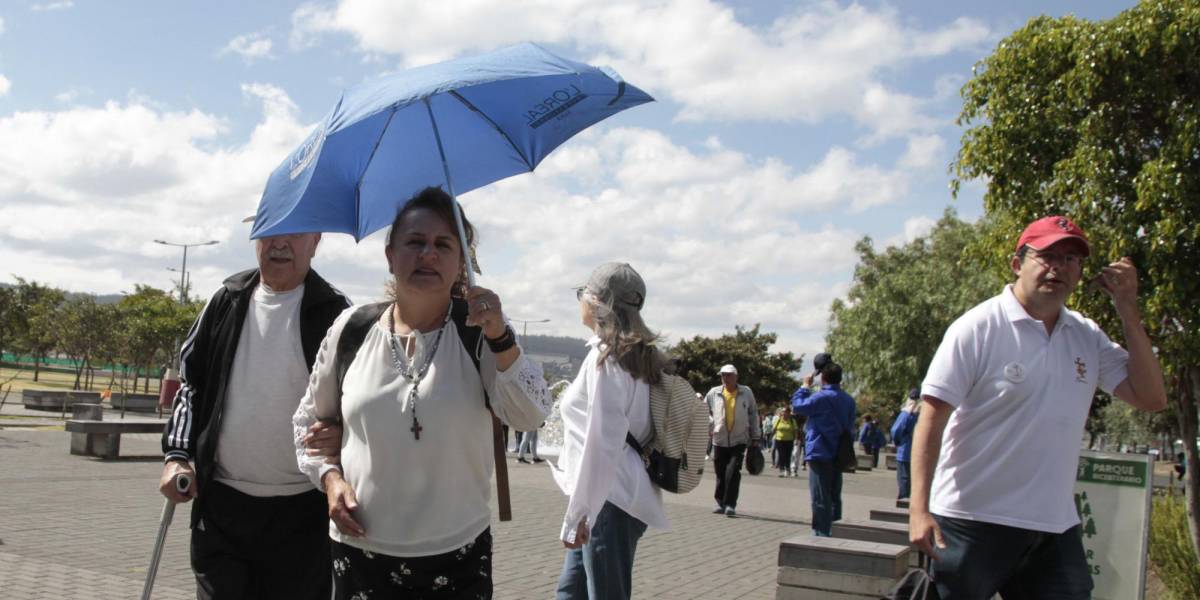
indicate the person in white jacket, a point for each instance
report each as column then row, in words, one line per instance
column 612, row 500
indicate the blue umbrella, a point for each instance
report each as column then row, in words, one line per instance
column 460, row 124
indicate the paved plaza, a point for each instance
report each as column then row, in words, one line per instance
column 77, row 527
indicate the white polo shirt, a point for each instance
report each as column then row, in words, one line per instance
column 1021, row 398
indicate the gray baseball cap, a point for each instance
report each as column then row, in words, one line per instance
column 619, row 282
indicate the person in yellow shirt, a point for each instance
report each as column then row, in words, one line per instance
column 785, row 439
column 735, row 424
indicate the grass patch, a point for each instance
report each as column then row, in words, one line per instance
column 1171, row 549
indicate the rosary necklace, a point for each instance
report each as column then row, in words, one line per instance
column 409, row 373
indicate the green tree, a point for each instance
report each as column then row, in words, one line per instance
column 79, row 333
column 37, row 314
column 885, row 332
column 1100, row 121
column 8, row 318
column 768, row 373
column 154, row 324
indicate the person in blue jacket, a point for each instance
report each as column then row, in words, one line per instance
column 830, row 413
column 871, row 438
column 902, row 430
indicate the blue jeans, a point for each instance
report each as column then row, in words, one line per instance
column 903, row 479
column 981, row 559
column 603, row 567
column 825, row 488
column 528, row 444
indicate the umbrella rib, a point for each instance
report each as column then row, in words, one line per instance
column 484, row 116
column 358, row 184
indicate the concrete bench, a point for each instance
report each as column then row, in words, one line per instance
column 812, row 568
column 890, row 461
column 880, row 532
column 890, row 515
column 902, row 503
column 93, row 437
column 865, row 462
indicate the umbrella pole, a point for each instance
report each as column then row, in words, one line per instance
column 458, row 219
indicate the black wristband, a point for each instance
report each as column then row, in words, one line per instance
column 502, row 343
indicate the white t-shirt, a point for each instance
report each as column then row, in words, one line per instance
column 596, row 465
column 1021, row 397
column 427, row 496
column 269, row 376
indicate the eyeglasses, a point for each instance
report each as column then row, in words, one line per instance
column 1069, row 259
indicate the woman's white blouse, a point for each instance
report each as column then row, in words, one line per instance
column 427, row 496
column 598, row 408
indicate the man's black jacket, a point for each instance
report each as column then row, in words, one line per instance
column 206, row 359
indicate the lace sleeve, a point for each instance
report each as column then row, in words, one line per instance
column 520, row 397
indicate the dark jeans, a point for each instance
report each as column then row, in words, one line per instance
column 981, row 559
column 903, row 479
column 462, row 573
column 261, row 547
column 603, row 567
column 785, row 455
column 728, row 463
column 825, row 488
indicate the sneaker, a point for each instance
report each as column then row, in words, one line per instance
column 719, row 510
column 729, row 512
column 523, row 460
column 781, row 474
column 538, row 460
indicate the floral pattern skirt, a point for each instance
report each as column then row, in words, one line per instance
column 465, row 573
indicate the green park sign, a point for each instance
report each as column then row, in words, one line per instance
column 1112, row 495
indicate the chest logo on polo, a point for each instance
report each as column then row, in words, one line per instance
column 1080, row 370
column 1014, row 372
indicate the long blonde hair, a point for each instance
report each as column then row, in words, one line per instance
column 624, row 335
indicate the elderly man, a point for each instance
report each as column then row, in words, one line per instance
column 735, row 423
column 258, row 525
column 1004, row 405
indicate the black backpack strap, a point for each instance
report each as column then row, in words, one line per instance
column 472, row 339
column 353, row 335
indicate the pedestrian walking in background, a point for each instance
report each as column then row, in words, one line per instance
column 735, row 424
column 1004, row 406
column 830, row 413
column 869, row 438
column 902, row 430
column 785, row 440
column 611, row 499
column 529, row 440
column 768, row 424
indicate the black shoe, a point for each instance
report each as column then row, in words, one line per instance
column 538, row 460
column 522, row 460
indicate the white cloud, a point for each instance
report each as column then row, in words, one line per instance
column 48, row 6
column 5, row 85
column 923, row 152
column 816, row 60
column 250, row 46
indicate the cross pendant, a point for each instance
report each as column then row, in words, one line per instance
column 416, row 429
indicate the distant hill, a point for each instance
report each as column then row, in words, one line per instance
column 101, row 299
column 575, row 348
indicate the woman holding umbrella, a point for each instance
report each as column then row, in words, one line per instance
column 611, row 497
column 409, row 504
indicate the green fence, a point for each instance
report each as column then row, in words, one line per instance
column 64, row 364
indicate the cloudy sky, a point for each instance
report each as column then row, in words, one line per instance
column 784, row 131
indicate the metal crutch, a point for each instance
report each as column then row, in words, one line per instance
column 182, row 483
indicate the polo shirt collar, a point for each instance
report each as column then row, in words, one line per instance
column 1015, row 312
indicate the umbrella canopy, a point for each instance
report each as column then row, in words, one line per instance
column 460, row 124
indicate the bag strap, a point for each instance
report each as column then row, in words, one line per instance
column 353, row 335
column 472, row 339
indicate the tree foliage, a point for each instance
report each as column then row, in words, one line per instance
column 901, row 301
column 768, row 373
column 1101, row 121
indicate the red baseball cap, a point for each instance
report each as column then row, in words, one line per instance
column 1044, row 232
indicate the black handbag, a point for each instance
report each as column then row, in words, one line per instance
column 847, row 462
column 663, row 470
column 754, row 460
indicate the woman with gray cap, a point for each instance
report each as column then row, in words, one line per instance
column 611, row 498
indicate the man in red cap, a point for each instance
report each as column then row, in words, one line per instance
column 1003, row 409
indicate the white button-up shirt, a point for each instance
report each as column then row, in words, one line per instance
column 1021, row 398
column 600, row 406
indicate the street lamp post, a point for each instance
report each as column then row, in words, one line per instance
column 185, row 278
column 183, row 271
